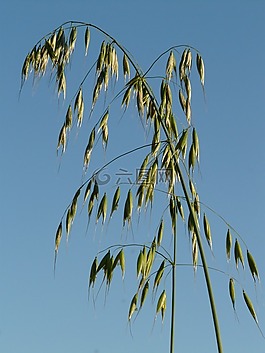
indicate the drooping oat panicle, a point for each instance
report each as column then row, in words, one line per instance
column 122, row 262
column 87, row 40
column 71, row 213
column 188, row 61
column 166, row 157
column 74, row 202
column 79, row 106
column 187, row 87
column 61, row 80
column 102, row 208
column 90, row 205
column 160, row 232
column 182, row 72
column 161, row 304
column 69, row 118
column 120, row 259
column 182, row 100
column 93, row 272
column 68, row 222
column 58, row 237
column 98, row 87
column 139, row 97
column 101, row 56
column 207, row 230
column 149, row 195
column 188, row 111
column 126, row 97
column 238, row 254
column 180, row 208
column 173, row 213
column 52, row 40
column 194, row 251
column 150, row 257
column 159, row 275
column 113, row 61
column 88, row 189
column 196, row 204
column 104, row 261
column 192, row 157
column 182, row 142
column 200, row 68
column 171, row 65
column 195, row 142
column 144, row 293
column 169, row 98
column 140, row 194
column 192, row 188
column 232, row 292
column 126, row 67
column 133, row 306
column 104, row 120
column 143, row 169
column 26, row 68
column 252, row 266
column 62, row 139
column 109, row 269
column 155, row 143
column 173, row 126
column 228, row 244
column 115, row 201
column 140, row 263
column 191, row 227
column 72, row 38
column 128, row 207
column 89, row 147
column 250, row 306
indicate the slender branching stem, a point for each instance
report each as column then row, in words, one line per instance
column 173, row 292
column 204, row 262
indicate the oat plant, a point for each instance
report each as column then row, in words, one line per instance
column 161, row 101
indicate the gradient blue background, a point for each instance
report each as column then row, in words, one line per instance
column 41, row 314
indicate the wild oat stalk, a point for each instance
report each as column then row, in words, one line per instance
column 173, row 150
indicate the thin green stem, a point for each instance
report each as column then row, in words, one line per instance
column 204, row 262
column 173, row 293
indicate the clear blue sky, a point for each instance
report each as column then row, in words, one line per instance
column 40, row 313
